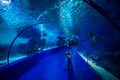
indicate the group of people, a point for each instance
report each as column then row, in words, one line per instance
column 69, row 43
column 37, row 44
column 61, row 40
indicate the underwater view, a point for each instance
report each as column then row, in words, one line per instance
column 92, row 26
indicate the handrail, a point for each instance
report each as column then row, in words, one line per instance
column 102, row 78
column 10, row 47
column 102, row 12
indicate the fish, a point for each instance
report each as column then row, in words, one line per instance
column 93, row 38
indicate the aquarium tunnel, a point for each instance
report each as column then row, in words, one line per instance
column 59, row 39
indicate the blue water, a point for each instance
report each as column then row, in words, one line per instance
column 63, row 20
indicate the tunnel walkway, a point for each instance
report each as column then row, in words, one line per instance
column 52, row 66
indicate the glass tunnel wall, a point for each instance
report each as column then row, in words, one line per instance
column 96, row 37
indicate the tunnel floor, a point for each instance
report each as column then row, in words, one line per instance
column 49, row 68
column 53, row 67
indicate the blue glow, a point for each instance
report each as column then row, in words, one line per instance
column 92, row 26
column 5, row 4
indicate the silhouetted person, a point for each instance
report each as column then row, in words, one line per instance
column 60, row 41
column 42, row 42
column 71, row 42
column 68, row 58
